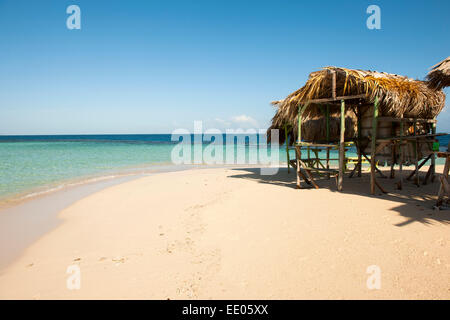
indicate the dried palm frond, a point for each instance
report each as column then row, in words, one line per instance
column 439, row 76
column 398, row 96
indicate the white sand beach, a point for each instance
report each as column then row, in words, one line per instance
column 234, row 234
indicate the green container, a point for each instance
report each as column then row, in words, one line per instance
column 436, row 146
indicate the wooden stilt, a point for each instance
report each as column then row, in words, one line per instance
column 309, row 175
column 328, row 138
column 341, row 147
column 376, row 169
column 392, row 175
column 429, row 172
column 416, row 155
column 373, row 146
column 418, row 167
column 444, row 182
column 400, row 149
column 359, row 125
column 380, row 187
column 444, row 187
column 393, row 154
column 298, row 148
column 433, row 158
column 304, row 177
column 353, row 171
column 310, row 163
column 286, row 140
column 298, row 155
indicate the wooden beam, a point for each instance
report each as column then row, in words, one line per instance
column 373, row 146
column 376, row 169
column 358, row 96
column 417, row 137
column 304, row 166
column 304, row 177
column 392, row 119
column 309, row 175
column 380, row 187
column 381, row 146
column 318, row 145
column 443, row 154
column 341, row 147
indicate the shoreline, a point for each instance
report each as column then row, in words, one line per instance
column 223, row 233
column 15, row 199
column 53, row 200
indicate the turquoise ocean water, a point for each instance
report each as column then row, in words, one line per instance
column 31, row 164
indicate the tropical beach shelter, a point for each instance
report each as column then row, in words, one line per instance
column 439, row 78
column 390, row 119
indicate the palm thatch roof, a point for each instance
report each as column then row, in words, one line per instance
column 398, row 95
column 439, row 76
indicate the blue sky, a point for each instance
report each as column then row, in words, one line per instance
column 153, row 66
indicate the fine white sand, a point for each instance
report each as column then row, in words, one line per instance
column 232, row 233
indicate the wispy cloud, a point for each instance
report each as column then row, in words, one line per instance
column 245, row 121
column 236, row 122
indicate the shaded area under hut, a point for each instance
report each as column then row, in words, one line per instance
column 338, row 107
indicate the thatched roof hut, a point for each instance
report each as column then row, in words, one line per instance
column 439, row 76
column 398, row 96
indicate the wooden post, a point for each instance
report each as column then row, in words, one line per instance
column 393, row 153
column 309, row 162
column 299, row 134
column 393, row 159
column 298, row 148
column 400, row 149
column 341, row 147
column 359, row 140
column 286, row 140
column 444, row 181
column 433, row 157
column 328, row 138
column 416, row 155
column 298, row 155
column 373, row 146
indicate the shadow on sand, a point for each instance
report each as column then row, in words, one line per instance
column 414, row 203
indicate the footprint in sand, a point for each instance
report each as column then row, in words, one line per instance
column 118, row 260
